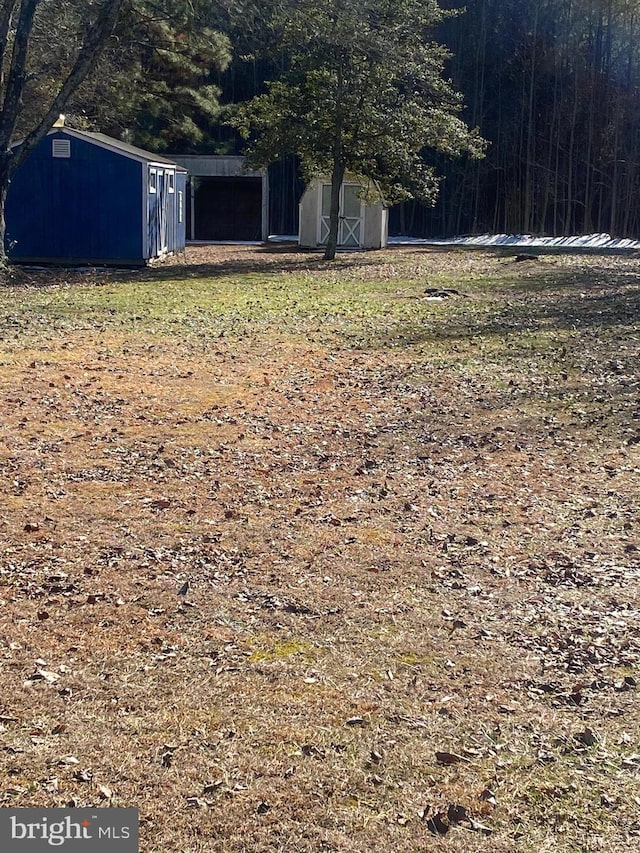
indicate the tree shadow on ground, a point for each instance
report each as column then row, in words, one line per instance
column 266, row 259
column 556, row 301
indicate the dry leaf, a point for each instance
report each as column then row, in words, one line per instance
column 450, row 758
column 587, row 738
column 83, row 775
column 43, row 675
column 480, row 827
column 456, row 814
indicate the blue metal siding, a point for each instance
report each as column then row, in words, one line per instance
column 87, row 207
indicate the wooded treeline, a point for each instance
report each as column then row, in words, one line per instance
column 553, row 85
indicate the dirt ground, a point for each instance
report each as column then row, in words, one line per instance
column 402, row 492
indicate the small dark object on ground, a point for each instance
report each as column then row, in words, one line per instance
column 526, row 257
column 440, row 293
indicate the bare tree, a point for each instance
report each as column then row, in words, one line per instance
column 17, row 19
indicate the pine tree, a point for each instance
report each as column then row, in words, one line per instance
column 157, row 84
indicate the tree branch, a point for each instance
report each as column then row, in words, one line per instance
column 90, row 51
column 6, row 13
column 16, row 78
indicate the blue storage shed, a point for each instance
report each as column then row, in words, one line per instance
column 85, row 198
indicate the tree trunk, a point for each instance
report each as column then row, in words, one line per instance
column 337, row 177
column 86, row 59
column 530, row 166
column 4, row 187
column 6, row 13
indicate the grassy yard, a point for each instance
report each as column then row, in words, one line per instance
column 404, row 490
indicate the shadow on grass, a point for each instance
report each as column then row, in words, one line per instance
column 266, row 259
column 269, row 259
column 559, row 301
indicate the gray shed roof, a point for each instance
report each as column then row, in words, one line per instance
column 216, row 165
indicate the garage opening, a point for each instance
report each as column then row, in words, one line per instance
column 225, row 209
column 225, row 201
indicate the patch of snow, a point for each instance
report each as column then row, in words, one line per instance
column 600, row 242
column 593, row 242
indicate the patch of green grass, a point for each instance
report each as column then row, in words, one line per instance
column 362, row 309
column 280, row 650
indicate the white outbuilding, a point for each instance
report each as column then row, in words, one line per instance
column 363, row 217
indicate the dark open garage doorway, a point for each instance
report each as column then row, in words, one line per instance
column 225, row 208
column 225, row 201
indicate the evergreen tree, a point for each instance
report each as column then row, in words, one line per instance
column 156, row 86
column 362, row 91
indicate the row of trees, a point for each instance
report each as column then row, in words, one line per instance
column 553, row 85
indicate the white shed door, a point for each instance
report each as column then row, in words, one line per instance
column 163, row 204
column 350, row 224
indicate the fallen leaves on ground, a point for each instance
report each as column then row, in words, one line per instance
column 295, row 557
